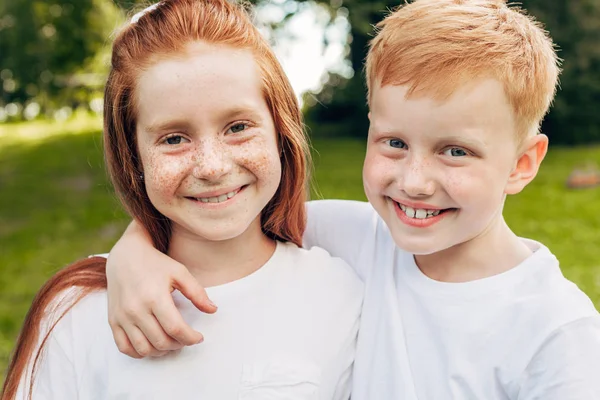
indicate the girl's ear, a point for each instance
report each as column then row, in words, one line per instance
column 533, row 151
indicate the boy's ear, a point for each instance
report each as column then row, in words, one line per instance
column 533, row 152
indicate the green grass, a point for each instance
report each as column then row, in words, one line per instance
column 56, row 206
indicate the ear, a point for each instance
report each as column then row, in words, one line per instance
column 533, row 152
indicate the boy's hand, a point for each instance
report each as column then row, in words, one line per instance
column 141, row 311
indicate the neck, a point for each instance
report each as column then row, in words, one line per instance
column 215, row 263
column 494, row 251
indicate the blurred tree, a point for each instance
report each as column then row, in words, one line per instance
column 51, row 49
column 340, row 107
column 575, row 27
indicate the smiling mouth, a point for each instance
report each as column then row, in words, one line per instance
column 421, row 213
column 218, row 199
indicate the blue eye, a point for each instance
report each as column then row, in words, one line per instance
column 456, row 152
column 396, row 143
column 238, row 127
column 174, row 140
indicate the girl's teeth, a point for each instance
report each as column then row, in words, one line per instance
column 420, row 214
column 218, row 199
column 410, row 212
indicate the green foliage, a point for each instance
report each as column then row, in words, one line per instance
column 341, row 105
column 564, row 220
column 54, row 53
column 52, row 50
column 57, row 206
column 575, row 28
column 574, row 25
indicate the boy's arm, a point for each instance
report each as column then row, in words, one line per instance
column 567, row 367
column 141, row 311
column 342, row 227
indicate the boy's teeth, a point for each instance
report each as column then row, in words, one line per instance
column 419, row 213
column 218, row 199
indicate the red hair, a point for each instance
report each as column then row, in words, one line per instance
column 161, row 32
column 435, row 46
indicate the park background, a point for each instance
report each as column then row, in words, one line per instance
column 56, row 204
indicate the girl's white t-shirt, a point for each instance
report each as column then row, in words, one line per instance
column 525, row 334
column 287, row 331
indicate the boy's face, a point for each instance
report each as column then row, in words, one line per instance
column 435, row 171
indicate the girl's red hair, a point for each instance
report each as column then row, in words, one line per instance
column 162, row 32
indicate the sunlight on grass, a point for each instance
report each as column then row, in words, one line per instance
column 58, row 206
column 31, row 132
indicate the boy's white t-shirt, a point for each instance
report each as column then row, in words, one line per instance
column 525, row 334
column 287, row 331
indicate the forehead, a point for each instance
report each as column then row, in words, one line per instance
column 201, row 77
column 477, row 104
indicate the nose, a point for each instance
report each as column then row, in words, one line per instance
column 418, row 181
column 212, row 161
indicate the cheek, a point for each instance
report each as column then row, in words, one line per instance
column 261, row 157
column 378, row 171
column 163, row 175
column 474, row 185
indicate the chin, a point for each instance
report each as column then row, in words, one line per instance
column 417, row 246
column 214, row 232
column 220, row 235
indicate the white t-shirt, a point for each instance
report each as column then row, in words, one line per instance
column 525, row 334
column 287, row 331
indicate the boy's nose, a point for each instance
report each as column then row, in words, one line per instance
column 211, row 162
column 417, row 181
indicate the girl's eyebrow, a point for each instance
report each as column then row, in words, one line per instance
column 183, row 125
column 169, row 125
column 240, row 110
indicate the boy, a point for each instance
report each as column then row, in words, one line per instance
column 456, row 305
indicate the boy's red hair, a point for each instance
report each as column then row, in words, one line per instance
column 435, row 46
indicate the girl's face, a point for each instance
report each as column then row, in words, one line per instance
column 207, row 141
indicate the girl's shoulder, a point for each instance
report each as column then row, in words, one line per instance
column 72, row 318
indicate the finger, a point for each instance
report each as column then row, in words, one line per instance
column 139, row 342
column 123, row 343
column 157, row 337
column 173, row 324
column 185, row 282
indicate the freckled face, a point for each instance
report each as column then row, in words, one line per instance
column 437, row 172
column 207, row 141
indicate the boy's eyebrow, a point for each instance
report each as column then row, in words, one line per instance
column 450, row 139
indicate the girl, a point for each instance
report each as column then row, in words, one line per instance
column 204, row 144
